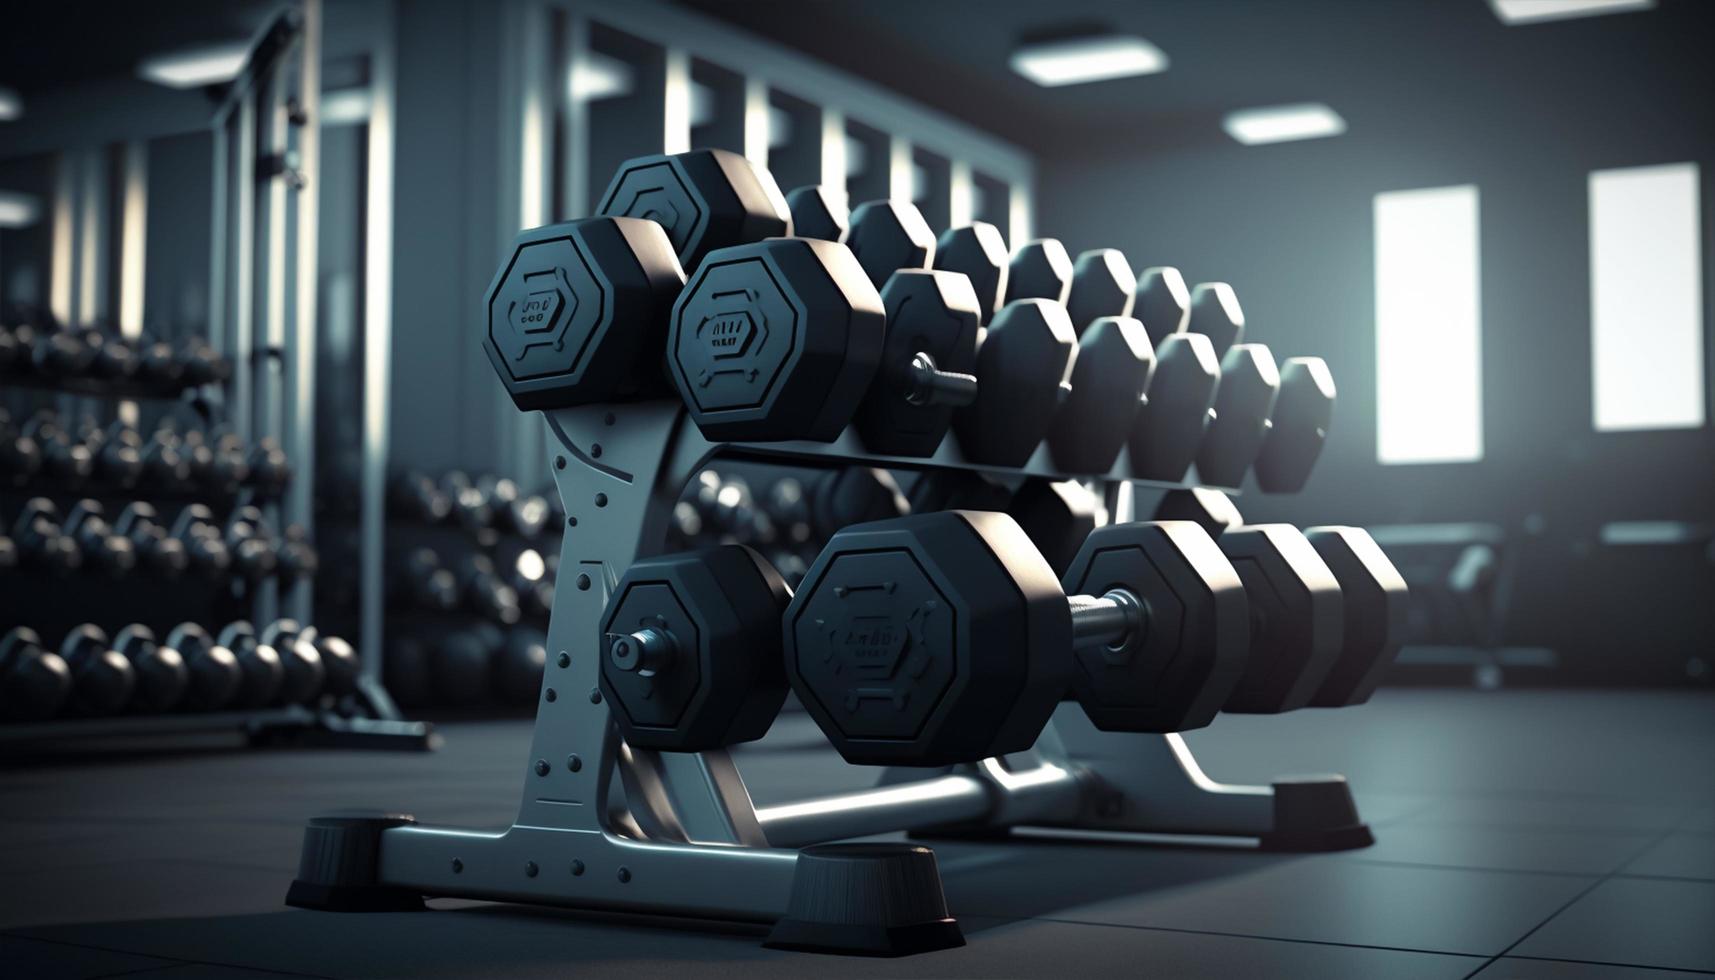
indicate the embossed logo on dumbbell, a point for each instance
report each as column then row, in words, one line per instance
column 543, row 311
column 728, row 335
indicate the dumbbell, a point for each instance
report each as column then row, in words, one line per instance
column 420, row 580
column 158, row 365
column 162, row 674
column 40, row 542
column 251, row 543
column 162, row 554
column 61, row 354
column 818, row 212
column 944, row 638
column 64, row 460
column 852, row 495
column 164, row 464
column 339, row 662
column 14, row 355
column 302, row 673
column 262, row 669
column 1057, row 516
column 978, row 252
column 1170, row 422
column 470, row 508
column 34, row 682
column 416, row 495
column 1372, row 594
column 269, row 469
column 515, row 512
column 111, row 358
column 295, row 557
column 529, row 578
column 930, row 350
column 102, row 548
column 117, row 455
column 199, row 531
column 691, row 654
column 200, row 364
column 518, row 666
column 20, row 456
column 102, row 679
column 484, row 592
column 214, row 673
column 216, row 461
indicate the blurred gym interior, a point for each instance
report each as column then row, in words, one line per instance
column 1181, row 488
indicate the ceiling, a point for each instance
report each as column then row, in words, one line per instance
column 1367, row 58
column 51, row 45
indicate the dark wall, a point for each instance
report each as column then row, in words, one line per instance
column 1525, row 118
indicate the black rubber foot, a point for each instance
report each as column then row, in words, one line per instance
column 1316, row 813
column 338, row 867
column 866, row 900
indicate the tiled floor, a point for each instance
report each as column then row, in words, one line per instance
column 1542, row 836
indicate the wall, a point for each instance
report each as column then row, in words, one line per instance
column 1289, row 226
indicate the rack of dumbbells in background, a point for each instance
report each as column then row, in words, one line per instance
column 134, row 544
column 998, row 685
column 471, row 572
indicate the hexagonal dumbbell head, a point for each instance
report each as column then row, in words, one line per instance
column 853, row 495
column 957, row 490
column 1109, row 377
column 1057, row 515
column 1215, row 313
column 929, row 640
column 1175, row 674
column 1175, row 411
column 1243, row 404
column 690, row 649
column 1296, row 620
column 1024, row 367
column 887, row 236
column 1373, row 597
column 1161, row 301
column 926, row 363
column 578, row 312
column 1039, row 270
column 1302, row 414
column 978, row 251
column 818, row 212
column 1208, row 508
column 704, row 199
column 776, row 340
column 1101, row 286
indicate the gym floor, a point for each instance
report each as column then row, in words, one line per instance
column 1527, row 834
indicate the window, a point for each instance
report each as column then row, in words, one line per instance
column 1429, row 403
column 1646, row 298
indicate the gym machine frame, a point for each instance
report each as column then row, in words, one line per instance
column 603, row 825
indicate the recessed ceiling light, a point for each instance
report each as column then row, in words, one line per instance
column 11, row 105
column 196, row 67
column 1074, row 61
column 346, row 106
column 18, row 210
column 1531, row 11
column 1279, row 123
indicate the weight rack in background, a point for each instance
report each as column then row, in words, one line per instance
column 262, row 311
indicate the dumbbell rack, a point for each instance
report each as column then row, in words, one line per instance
column 603, row 825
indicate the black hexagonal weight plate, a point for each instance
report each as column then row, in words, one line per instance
column 1243, row 404
column 1302, row 413
column 1296, row 623
column 1208, row 508
column 818, row 212
column 1160, row 300
column 1024, row 368
column 1109, row 377
column 1174, row 674
column 725, row 683
column 776, row 340
column 928, row 312
column 1102, row 283
column 1373, row 598
column 1057, row 515
column 578, row 312
column 928, row 640
column 887, row 236
column 1039, row 270
column 1170, row 424
column 978, row 250
column 705, row 199
column 1215, row 313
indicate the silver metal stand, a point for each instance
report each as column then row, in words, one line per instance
column 605, row 826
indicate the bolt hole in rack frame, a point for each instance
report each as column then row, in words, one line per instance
column 262, row 296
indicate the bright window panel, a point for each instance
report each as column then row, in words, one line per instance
column 1646, row 298
column 1429, row 365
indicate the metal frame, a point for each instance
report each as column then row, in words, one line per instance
column 603, row 825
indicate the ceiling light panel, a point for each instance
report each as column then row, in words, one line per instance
column 196, row 67
column 1280, row 123
column 1075, row 61
column 1535, row 11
